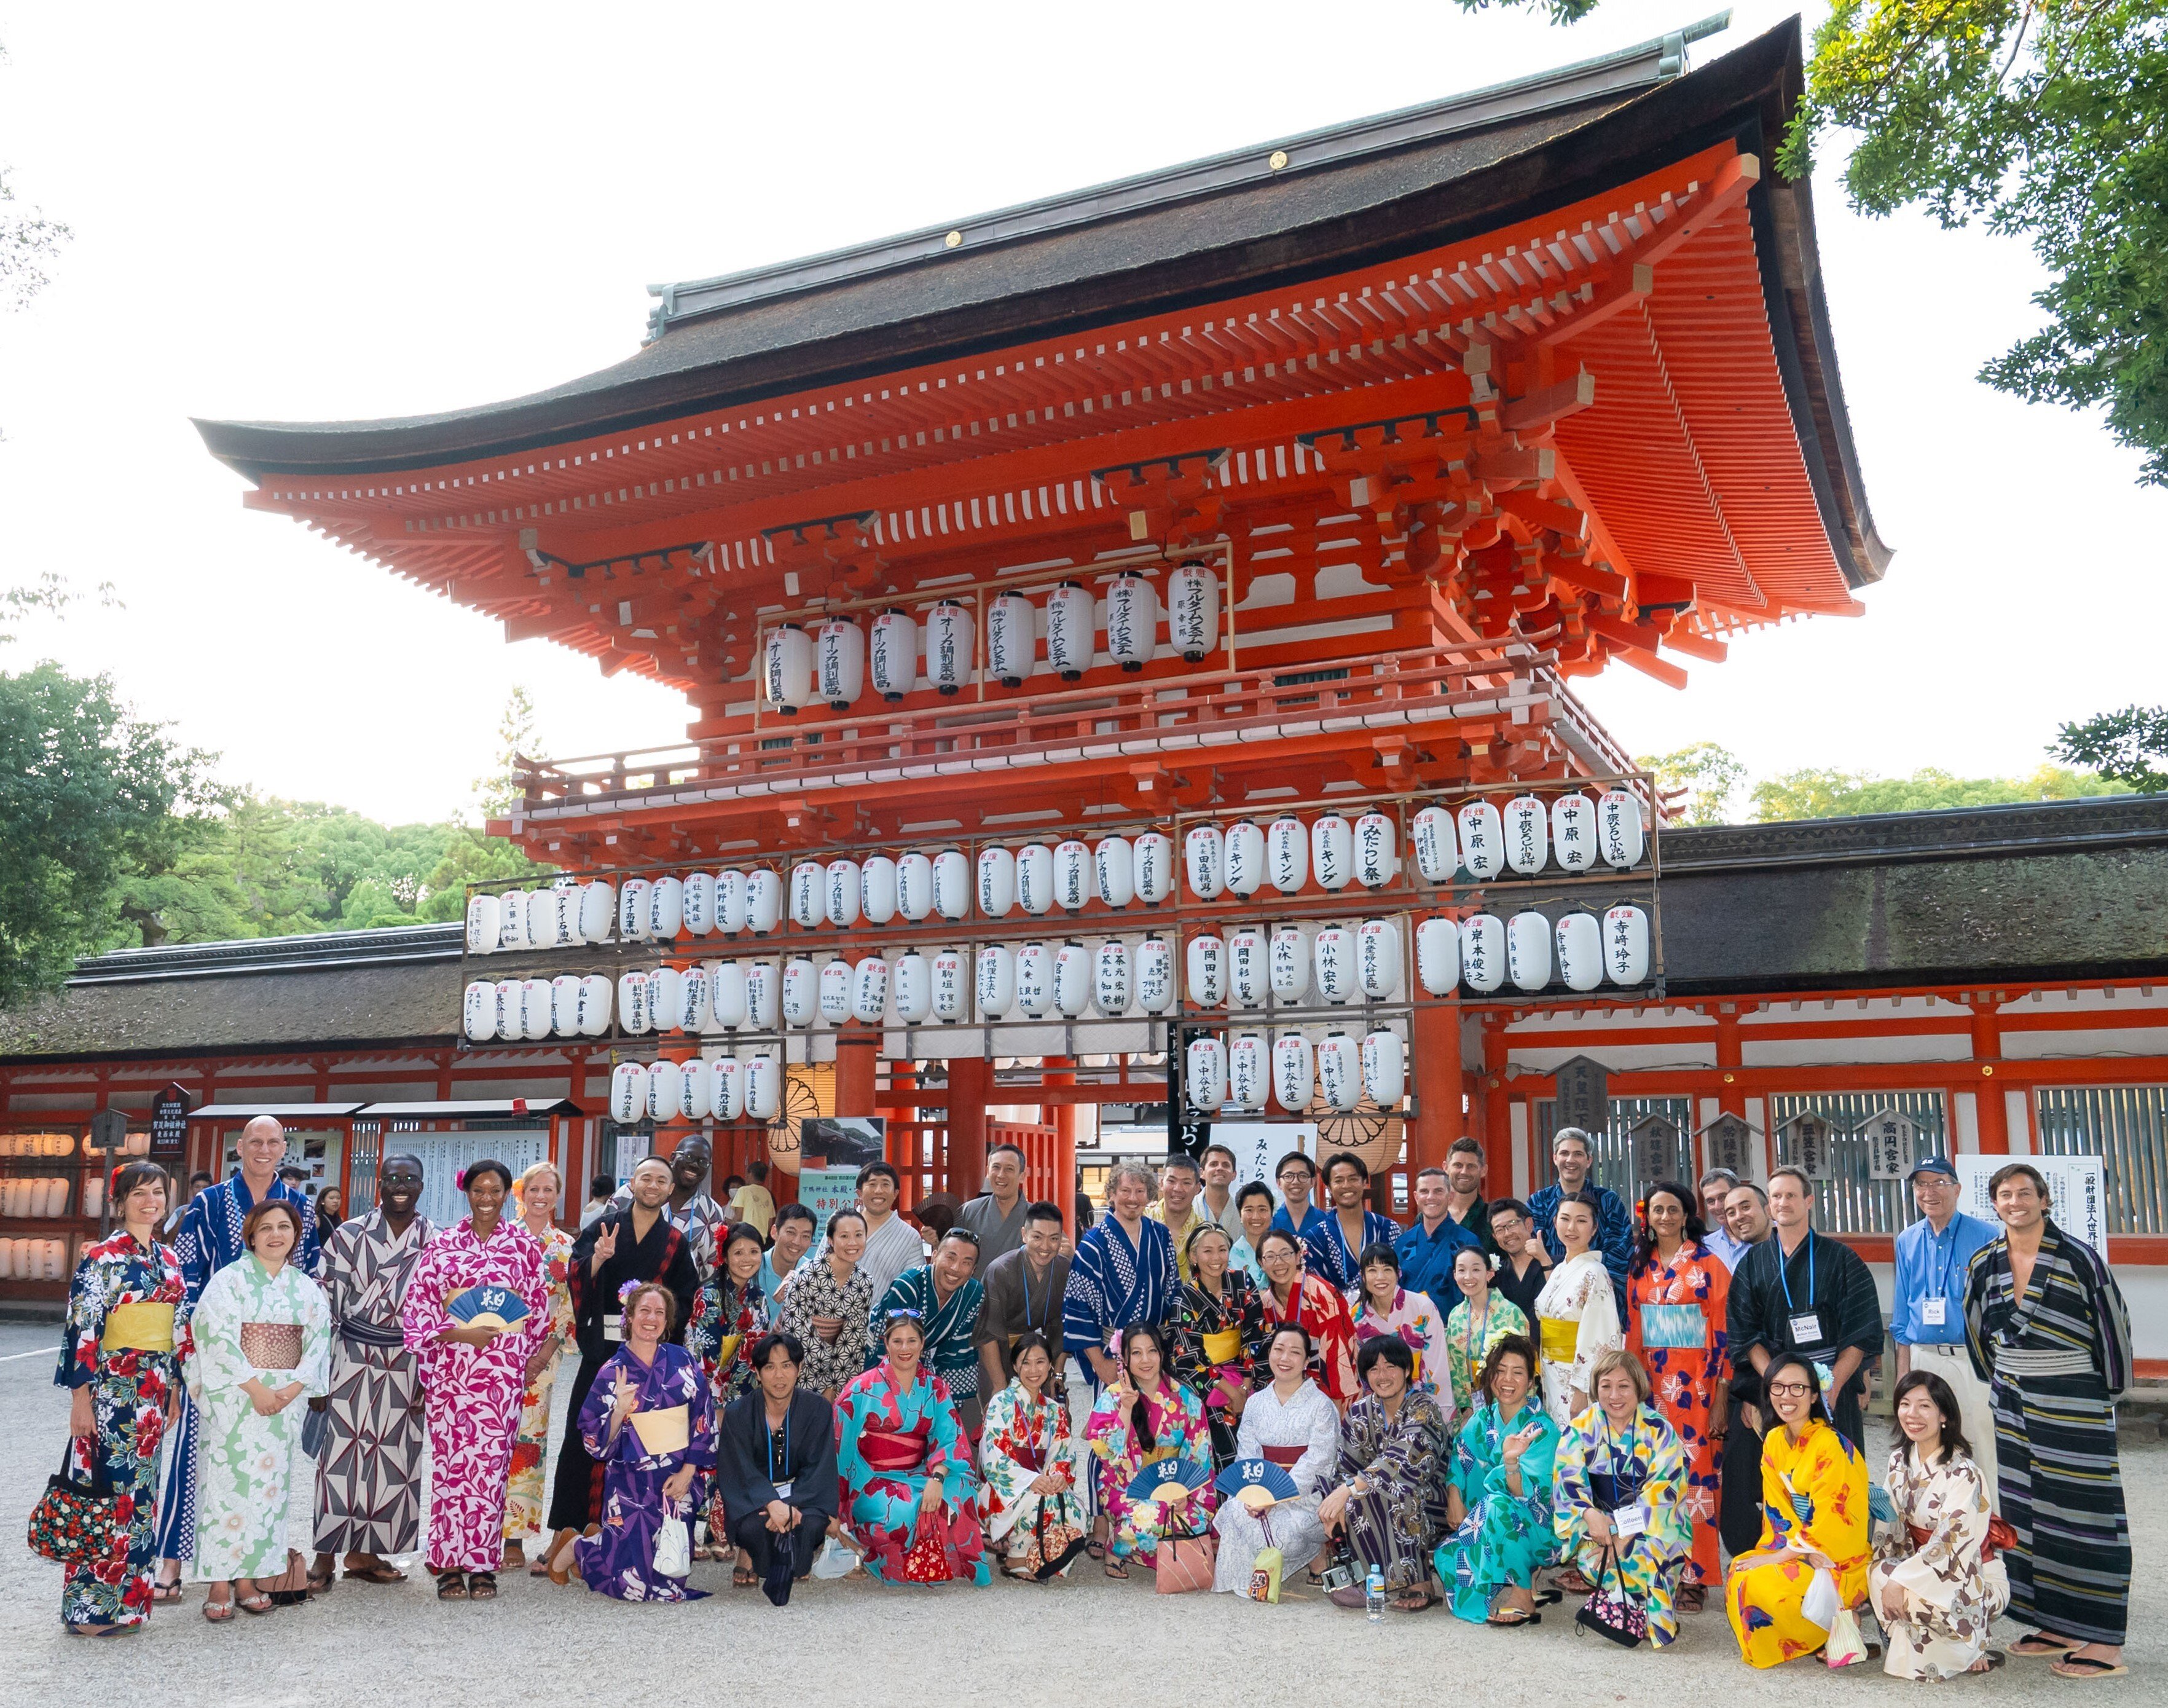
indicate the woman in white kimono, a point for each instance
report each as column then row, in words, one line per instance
column 1291, row 1423
column 1935, row 1580
column 262, row 1339
column 1577, row 1310
column 1028, row 1503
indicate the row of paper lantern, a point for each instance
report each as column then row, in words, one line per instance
column 41, row 1195
column 1238, row 1073
column 37, row 1144
column 1040, row 877
column 1250, row 967
column 837, row 660
column 723, row 1088
column 33, row 1259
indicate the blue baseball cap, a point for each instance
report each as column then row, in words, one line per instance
column 1931, row 1165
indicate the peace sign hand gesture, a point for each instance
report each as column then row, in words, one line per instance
column 605, row 1248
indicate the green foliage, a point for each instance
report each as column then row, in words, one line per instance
column 1818, row 793
column 1697, row 781
column 2121, row 745
column 497, row 793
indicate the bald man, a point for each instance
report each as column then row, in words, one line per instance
column 206, row 1239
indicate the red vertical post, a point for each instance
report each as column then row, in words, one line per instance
column 857, row 1054
column 1435, row 1044
column 970, row 1089
column 1497, row 1115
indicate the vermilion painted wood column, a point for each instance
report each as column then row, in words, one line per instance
column 1062, row 1189
column 970, row 1089
column 857, row 1054
column 1497, row 1118
column 1435, row 1044
column 1987, row 1107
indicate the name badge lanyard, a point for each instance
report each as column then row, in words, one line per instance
column 1627, row 1518
column 769, row 1443
column 1046, row 1306
column 1812, row 1314
column 1935, row 1311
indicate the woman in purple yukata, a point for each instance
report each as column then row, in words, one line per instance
column 650, row 1422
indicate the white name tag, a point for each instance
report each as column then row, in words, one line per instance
column 1934, row 1313
column 1630, row 1521
column 613, row 1327
column 1806, row 1329
column 783, row 1491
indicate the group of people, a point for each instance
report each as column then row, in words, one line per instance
column 1502, row 1404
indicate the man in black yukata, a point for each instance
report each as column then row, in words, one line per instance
column 775, row 1468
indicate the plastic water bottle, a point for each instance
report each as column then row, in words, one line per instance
column 1373, row 1595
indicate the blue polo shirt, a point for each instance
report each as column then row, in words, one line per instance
column 1312, row 1216
column 1427, row 1261
column 1933, row 1266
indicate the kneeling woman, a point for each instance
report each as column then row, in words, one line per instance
column 905, row 1467
column 1935, row 1580
column 650, row 1422
column 1029, row 1501
column 1144, row 1418
column 1621, row 1488
column 1814, row 1519
column 1289, row 1421
column 1499, row 1502
column 1390, row 1501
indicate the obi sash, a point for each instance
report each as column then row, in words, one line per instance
column 1223, row 1345
column 1031, row 1458
column 272, row 1345
column 885, row 1451
column 665, row 1429
column 138, row 1327
column 1287, row 1458
column 1560, row 1338
column 1673, row 1326
column 727, row 1349
column 1999, row 1537
column 358, row 1331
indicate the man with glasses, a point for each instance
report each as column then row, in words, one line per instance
column 1715, row 1190
column 1926, row 1302
column 1297, row 1180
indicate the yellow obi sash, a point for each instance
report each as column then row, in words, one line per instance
column 1560, row 1338
column 139, row 1327
column 726, row 1350
column 1223, row 1345
column 666, row 1429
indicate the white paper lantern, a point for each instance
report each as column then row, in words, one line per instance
column 594, row 1010
column 1378, row 959
column 764, row 994
column 633, row 1015
column 1156, row 988
column 801, row 992
column 1243, row 859
column 1034, row 979
column 1073, row 980
column 952, row 884
column 1340, row 1071
column 1205, row 962
column 788, row 671
column 635, row 924
column 1192, row 610
column 1483, row 952
column 1204, row 861
column 1071, row 630
column 700, row 902
column 895, row 654
column 666, row 1081
column 1626, row 945
column 843, row 894
column 1528, row 950
column 733, row 901
column 914, row 887
column 1579, row 939
column 1249, row 1071
column 763, row 1087
column 951, row 986
column 1132, row 620
column 1034, row 877
column 877, row 885
column 665, row 995
column 1377, row 850
column 479, row 1015
column 1249, row 980
column 485, row 921
column 996, row 980
column 1154, row 860
column 1573, row 831
column 666, row 908
column 727, row 1002
column 841, row 646
column 1294, row 1082
column 997, row 882
column 1527, row 824
column 541, row 920
column 914, row 987
column 1482, row 839
column 1332, row 851
column 694, row 1011
column 564, row 1005
column 535, row 1017
column 949, row 648
column 764, row 901
column 1288, row 961
column 628, row 1093
column 511, row 920
column 1072, row 874
column 508, row 1024
column 695, row 1091
column 1437, row 957
column 809, row 899
column 1114, row 871
column 1618, row 833
column 727, row 1088
column 1110, row 977
column 1437, row 848
column 1287, row 855
column 835, row 987
column 1010, row 640
column 1205, row 1078
column 869, row 990
column 1333, row 963
column 598, row 911
column 1385, row 1068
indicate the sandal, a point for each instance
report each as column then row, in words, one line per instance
column 515, row 1555
column 1692, row 1599
column 1513, row 1616
column 2040, row 1646
column 166, row 1592
column 743, row 1577
column 255, row 1606
column 378, row 1573
column 562, row 1575
column 101, row 1629
column 1413, row 1600
column 481, row 1586
column 322, row 1585
column 2069, row 1668
column 451, row 1586
column 1117, row 1570
column 1990, row 1661
column 217, row 1612
column 1096, row 1548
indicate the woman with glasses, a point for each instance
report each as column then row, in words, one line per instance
column 1618, row 1507
column 1313, row 1304
column 905, row 1465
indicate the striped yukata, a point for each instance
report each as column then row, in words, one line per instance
column 2054, row 1361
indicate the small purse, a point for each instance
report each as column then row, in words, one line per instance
column 290, row 1587
column 77, row 1523
column 1607, row 1612
column 673, row 1550
column 1845, row 1647
column 1184, row 1563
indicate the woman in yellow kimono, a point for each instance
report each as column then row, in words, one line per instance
column 1814, row 1519
column 536, row 1194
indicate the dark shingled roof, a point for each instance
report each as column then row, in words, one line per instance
column 2057, row 891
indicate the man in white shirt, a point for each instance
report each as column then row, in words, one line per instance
column 893, row 1245
column 1216, row 1202
column 1715, row 1190
column 996, row 1214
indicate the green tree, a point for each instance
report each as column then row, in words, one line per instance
column 499, row 792
column 1820, row 793
column 1697, row 781
column 2122, row 745
column 2043, row 120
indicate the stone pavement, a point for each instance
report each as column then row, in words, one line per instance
column 859, row 1642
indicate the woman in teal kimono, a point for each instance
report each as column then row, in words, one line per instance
column 1500, row 1501
column 1622, row 1485
column 905, row 1464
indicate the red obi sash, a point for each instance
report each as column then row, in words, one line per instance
column 2000, row 1537
column 1287, row 1458
column 887, row 1452
column 1031, row 1458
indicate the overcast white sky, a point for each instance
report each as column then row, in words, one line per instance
column 318, row 212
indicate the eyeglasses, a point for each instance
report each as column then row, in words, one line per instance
column 1790, row 1389
column 1302, row 1175
column 905, row 1314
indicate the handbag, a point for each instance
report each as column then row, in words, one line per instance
column 1184, row 1563
column 1845, row 1647
column 673, row 1550
column 290, row 1587
column 1607, row 1611
column 77, row 1523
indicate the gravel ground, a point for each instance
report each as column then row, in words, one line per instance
column 544, row 1640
